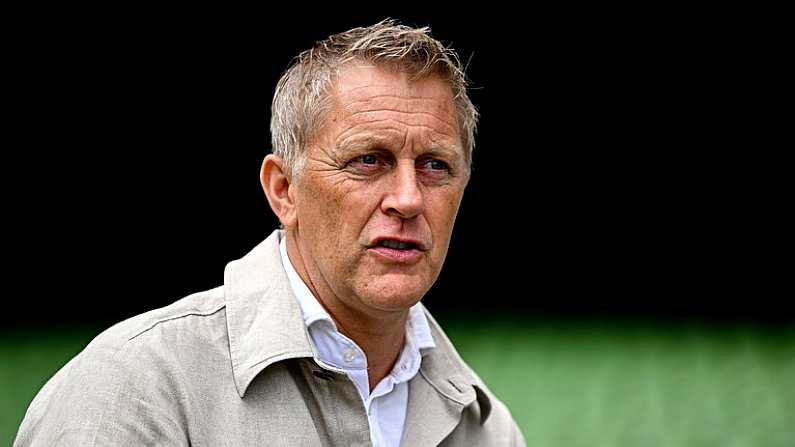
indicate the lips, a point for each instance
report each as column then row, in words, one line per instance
column 397, row 250
column 399, row 243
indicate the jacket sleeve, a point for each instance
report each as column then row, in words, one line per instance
column 118, row 394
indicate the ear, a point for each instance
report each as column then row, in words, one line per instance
column 276, row 184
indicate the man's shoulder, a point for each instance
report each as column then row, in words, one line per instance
column 158, row 334
column 191, row 310
column 137, row 362
column 154, row 341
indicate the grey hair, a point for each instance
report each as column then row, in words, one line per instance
column 301, row 101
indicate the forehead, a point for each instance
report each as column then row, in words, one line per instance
column 359, row 82
column 365, row 94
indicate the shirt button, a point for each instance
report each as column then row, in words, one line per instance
column 349, row 355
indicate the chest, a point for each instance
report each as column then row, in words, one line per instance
column 290, row 403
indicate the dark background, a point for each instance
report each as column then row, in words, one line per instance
column 605, row 180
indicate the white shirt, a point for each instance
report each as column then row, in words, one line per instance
column 386, row 405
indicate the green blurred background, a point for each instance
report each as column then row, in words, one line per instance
column 573, row 382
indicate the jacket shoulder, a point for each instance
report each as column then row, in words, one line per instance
column 129, row 372
column 203, row 303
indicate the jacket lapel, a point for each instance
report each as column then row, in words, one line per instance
column 440, row 392
column 431, row 414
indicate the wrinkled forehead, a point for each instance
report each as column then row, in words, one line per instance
column 356, row 86
column 374, row 102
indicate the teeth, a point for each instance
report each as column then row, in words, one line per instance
column 396, row 244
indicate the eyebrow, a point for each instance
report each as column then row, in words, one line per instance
column 447, row 150
column 357, row 144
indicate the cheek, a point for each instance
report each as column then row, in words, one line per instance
column 443, row 209
column 336, row 218
column 441, row 215
column 321, row 207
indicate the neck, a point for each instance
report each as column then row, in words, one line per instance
column 381, row 340
column 380, row 334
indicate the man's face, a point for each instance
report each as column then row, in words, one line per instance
column 378, row 196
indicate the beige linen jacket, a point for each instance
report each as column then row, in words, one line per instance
column 234, row 366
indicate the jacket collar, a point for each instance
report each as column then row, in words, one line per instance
column 266, row 326
column 262, row 315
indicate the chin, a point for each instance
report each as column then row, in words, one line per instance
column 393, row 295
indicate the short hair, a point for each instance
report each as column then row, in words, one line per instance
column 302, row 98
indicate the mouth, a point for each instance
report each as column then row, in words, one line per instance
column 396, row 245
column 397, row 251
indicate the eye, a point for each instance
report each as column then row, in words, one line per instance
column 369, row 159
column 438, row 165
column 368, row 163
column 434, row 164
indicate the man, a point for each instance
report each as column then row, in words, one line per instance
column 317, row 336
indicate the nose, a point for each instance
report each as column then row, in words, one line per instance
column 403, row 197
